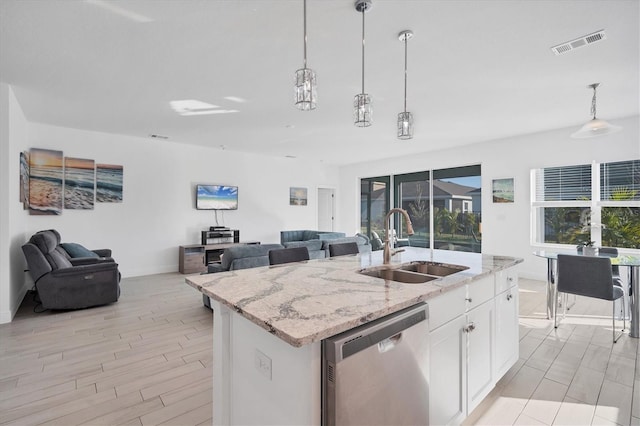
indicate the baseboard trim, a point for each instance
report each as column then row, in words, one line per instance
column 7, row 316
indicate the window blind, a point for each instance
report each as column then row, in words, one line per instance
column 567, row 183
column 620, row 181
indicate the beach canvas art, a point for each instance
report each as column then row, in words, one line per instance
column 503, row 190
column 45, row 182
column 297, row 196
column 24, row 179
column 79, row 183
column 109, row 183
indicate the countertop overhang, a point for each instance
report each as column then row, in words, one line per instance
column 305, row 302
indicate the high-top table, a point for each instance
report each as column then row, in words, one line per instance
column 631, row 262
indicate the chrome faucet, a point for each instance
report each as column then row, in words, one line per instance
column 387, row 253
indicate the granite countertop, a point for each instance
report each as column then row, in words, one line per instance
column 305, row 302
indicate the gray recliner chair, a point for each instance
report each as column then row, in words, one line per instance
column 65, row 283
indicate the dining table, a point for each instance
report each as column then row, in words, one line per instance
column 631, row 262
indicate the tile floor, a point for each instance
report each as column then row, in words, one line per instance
column 146, row 360
column 572, row 375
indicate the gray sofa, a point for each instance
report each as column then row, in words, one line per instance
column 317, row 242
column 66, row 282
column 243, row 257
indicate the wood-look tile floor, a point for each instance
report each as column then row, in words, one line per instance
column 147, row 360
column 144, row 360
column 572, row 375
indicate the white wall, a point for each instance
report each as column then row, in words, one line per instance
column 505, row 227
column 158, row 214
column 13, row 134
column 158, row 211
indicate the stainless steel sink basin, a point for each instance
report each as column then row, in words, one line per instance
column 414, row 272
column 399, row 275
column 433, row 268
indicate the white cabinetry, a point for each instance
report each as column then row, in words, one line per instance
column 507, row 330
column 479, row 332
column 473, row 342
column 448, row 365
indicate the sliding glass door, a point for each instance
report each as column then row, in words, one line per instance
column 374, row 204
column 446, row 214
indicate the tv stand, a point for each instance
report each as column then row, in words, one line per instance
column 194, row 258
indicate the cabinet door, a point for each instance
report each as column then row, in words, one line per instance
column 447, row 373
column 479, row 332
column 507, row 331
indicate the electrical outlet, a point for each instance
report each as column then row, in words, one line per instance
column 263, row 364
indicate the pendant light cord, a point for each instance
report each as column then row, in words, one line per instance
column 593, row 104
column 405, row 73
column 305, row 33
column 364, row 8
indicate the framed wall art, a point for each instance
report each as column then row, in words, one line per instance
column 297, row 196
column 502, row 190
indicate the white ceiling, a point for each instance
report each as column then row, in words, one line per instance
column 478, row 70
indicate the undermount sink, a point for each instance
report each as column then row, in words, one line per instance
column 399, row 275
column 433, row 268
column 414, row 272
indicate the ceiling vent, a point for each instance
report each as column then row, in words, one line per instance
column 579, row 42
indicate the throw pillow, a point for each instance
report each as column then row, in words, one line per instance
column 76, row 250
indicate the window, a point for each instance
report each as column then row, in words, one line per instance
column 455, row 206
column 578, row 203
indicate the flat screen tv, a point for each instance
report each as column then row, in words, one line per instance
column 216, row 197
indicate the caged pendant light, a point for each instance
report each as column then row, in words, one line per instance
column 362, row 107
column 305, row 90
column 596, row 126
column 405, row 119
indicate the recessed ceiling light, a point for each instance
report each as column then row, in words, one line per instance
column 195, row 107
column 119, row 10
column 235, row 99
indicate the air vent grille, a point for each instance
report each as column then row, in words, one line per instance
column 579, row 42
column 330, row 373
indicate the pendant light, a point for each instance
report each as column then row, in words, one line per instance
column 362, row 108
column 305, row 90
column 405, row 119
column 596, row 126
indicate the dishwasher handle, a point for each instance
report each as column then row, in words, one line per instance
column 387, row 344
column 386, row 331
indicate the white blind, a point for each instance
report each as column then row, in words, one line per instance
column 567, row 183
column 620, row 181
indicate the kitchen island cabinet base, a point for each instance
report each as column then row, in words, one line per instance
column 258, row 379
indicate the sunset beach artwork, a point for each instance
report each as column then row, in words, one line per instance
column 79, row 183
column 109, row 183
column 45, row 182
column 24, row 179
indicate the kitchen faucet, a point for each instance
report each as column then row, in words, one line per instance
column 387, row 253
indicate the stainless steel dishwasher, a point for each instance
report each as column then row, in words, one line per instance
column 378, row 373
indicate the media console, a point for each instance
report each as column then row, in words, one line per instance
column 194, row 258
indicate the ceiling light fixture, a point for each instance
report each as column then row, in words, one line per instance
column 596, row 126
column 405, row 119
column 362, row 107
column 305, row 89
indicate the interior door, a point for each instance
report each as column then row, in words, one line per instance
column 326, row 209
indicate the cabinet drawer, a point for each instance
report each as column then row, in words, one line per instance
column 446, row 307
column 479, row 292
column 506, row 279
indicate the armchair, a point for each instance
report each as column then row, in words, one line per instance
column 62, row 285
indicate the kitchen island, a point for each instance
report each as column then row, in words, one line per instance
column 269, row 323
